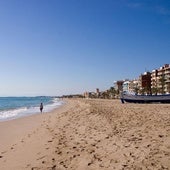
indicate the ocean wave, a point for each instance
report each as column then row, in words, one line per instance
column 7, row 114
column 26, row 111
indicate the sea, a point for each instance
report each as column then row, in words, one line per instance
column 16, row 107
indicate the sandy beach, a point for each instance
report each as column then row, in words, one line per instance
column 89, row 134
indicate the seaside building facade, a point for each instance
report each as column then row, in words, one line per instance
column 154, row 81
column 126, row 86
column 87, row 94
column 118, row 85
column 167, row 79
column 145, row 83
column 91, row 95
column 134, row 86
column 131, row 86
column 160, row 79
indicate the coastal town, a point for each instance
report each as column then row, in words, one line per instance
column 85, row 85
column 155, row 82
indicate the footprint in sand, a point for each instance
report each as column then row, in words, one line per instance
column 3, row 152
column 53, row 167
column 50, row 141
column 41, row 157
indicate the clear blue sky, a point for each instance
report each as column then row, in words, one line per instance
column 55, row 47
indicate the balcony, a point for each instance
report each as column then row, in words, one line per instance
column 167, row 81
column 167, row 72
column 160, row 74
column 167, row 76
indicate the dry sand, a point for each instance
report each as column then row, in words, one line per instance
column 89, row 135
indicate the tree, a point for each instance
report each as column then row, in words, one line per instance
column 142, row 91
column 112, row 92
column 168, row 87
column 105, row 95
column 154, row 90
column 136, row 90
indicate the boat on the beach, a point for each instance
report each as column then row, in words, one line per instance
column 133, row 98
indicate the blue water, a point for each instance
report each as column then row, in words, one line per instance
column 15, row 107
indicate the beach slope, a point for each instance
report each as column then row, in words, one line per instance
column 89, row 135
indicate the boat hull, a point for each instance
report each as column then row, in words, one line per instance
column 145, row 98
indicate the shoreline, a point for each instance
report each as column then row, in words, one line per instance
column 89, row 134
column 29, row 121
column 26, row 106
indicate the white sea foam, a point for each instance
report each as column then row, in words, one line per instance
column 56, row 103
column 7, row 114
column 26, row 111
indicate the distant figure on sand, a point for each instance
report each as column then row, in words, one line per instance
column 41, row 107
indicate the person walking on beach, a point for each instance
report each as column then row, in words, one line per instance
column 41, row 107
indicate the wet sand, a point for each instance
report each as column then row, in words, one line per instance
column 89, row 135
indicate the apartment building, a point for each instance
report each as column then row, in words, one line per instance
column 126, row 86
column 167, row 79
column 131, row 86
column 145, row 83
column 154, row 81
column 161, row 80
column 134, row 86
column 118, row 85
